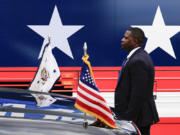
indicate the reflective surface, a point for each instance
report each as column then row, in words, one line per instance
column 18, row 110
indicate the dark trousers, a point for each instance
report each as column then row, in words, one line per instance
column 145, row 130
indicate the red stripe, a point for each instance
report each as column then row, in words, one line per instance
column 94, row 102
column 91, row 93
column 169, row 120
column 94, row 110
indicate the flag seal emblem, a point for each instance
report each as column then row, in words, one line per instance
column 44, row 75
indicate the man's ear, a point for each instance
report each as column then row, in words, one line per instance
column 135, row 41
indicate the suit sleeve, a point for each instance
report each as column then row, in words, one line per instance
column 138, row 94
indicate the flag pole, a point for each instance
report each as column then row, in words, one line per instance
column 85, row 49
column 85, row 122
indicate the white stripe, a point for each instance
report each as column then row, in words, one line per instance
column 167, row 103
column 51, row 117
column 96, row 107
column 89, row 88
column 107, row 78
column 3, row 113
column 92, row 97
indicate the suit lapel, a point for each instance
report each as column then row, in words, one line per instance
column 128, row 60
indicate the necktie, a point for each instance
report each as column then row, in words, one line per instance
column 122, row 67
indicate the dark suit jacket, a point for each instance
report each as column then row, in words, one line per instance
column 134, row 92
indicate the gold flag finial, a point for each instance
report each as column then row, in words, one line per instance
column 86, row 56
column 85, row 59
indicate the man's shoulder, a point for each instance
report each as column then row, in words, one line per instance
column 141, row 56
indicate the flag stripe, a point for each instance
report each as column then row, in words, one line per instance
column 93, row 100
column 93, row 96
column 94, row 106
column 100, row 115
column 96, row 91
column 91, row 91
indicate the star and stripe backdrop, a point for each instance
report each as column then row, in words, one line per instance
column 26, row 24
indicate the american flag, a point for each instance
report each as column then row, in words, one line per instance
column 89, row 99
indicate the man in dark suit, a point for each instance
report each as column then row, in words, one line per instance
column 134, row 92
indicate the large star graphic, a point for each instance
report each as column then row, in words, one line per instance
column 158, row 35
column 58, row 33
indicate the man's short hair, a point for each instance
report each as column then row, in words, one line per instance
column 137, row 34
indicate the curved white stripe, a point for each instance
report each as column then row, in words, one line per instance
column 90, row 89
column 96, row 107
column 92, row 97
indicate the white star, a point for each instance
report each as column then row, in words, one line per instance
column 58, row 33
column 159, row 34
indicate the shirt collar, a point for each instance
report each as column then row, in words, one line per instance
column 132, row 51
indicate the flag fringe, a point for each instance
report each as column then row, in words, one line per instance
column 95, row 115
